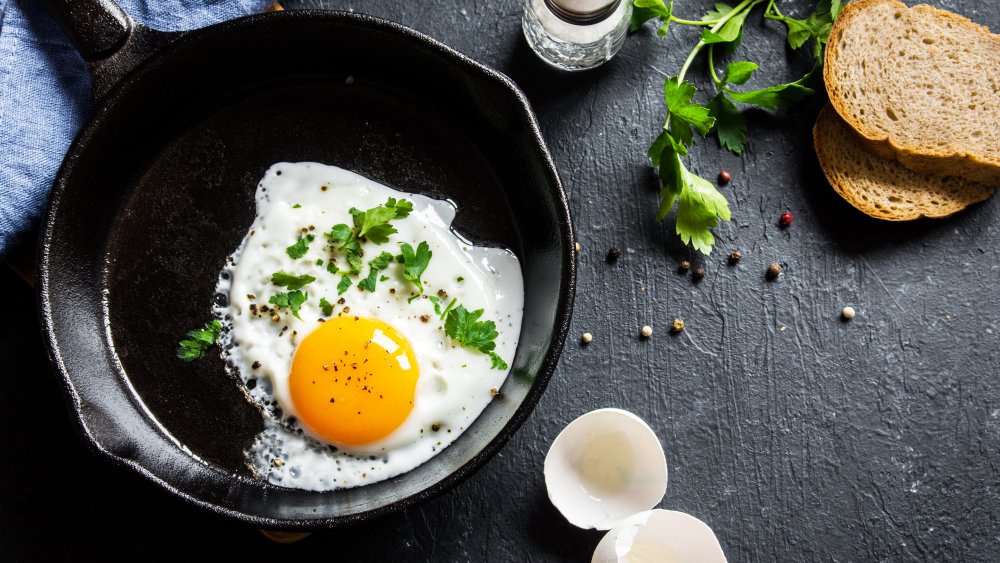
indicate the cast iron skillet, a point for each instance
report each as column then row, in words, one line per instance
column 158, row 189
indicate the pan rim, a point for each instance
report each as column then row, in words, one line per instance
column 563, row 314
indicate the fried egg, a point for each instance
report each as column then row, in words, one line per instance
column 373, row 386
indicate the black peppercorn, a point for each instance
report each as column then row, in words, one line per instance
column 698, row 274
column 684, row 266
column 734, row 257
column 613, row 254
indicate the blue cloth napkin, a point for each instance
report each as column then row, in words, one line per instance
column 45, row 94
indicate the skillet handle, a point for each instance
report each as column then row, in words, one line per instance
column 97, row 28
column 110, row 42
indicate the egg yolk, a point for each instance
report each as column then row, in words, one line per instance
column 353, row 380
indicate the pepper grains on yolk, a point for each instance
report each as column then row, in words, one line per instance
column 353, row 380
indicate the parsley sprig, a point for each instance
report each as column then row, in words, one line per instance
column 372, row 225
column 198, row 341
column 465, row 328
column 375, row 266
column 298, row 250
column 294, row 298
column 699, row 205
column 414, row 262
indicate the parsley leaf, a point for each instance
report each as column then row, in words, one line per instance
column 731, row 32
column 293, row 300
column 699, row 207
column 198, row 341
column 290, row 281
column 699, row 204
column 775, row 97
column 816, row 26
column 375, row 266
column 298, row 250
column 343, row 285
column 465, row 328
column 739, row 72
column 720, row 11
column 326, row 307
column 684, row 114
column 730, row 125
column 374, row 223
column 437, row 303
column 497, row 362
column 645, row 10
column 415, row 262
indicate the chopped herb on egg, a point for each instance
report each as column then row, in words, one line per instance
column 290, row 281
column 326, row 306
column 465, row 328
column 296, row 206
column 448, row 308
column 343, row 285
column 293, row 300
column 298, row 250
column 415, row 262
column 437, row 303
column 198, row 341
column 372, row 225
column 375, row 266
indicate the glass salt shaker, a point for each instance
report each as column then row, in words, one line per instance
column 576, row 34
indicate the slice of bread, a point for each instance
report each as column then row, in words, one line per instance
column 920, row 85
column 882, row 187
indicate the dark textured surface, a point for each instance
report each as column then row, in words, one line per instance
column 794, row 435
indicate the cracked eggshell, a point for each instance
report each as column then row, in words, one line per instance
column 603, row 467
column 660, row 535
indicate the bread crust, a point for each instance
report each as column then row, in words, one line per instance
column 948, row 161
column 882, row 188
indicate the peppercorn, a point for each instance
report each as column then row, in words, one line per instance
column 684, row 266
column 773, row 271
column 577, row 246
column 698, row 274
column 613, row 254
column 677, row 325
column 646, row 331
column 587, row 338
column 734, row 257
column 725, row 177
column 848, row 313
column 785, row 220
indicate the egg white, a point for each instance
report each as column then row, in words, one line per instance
column 455, row 384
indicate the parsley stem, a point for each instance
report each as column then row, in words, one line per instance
column 711, row 68
column 772, row 6
column 744, row 5
column 693, row 22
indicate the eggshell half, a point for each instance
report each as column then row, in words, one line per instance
column 603, row 467
column 665, row 536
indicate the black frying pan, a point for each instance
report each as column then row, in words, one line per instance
column 158, row 189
